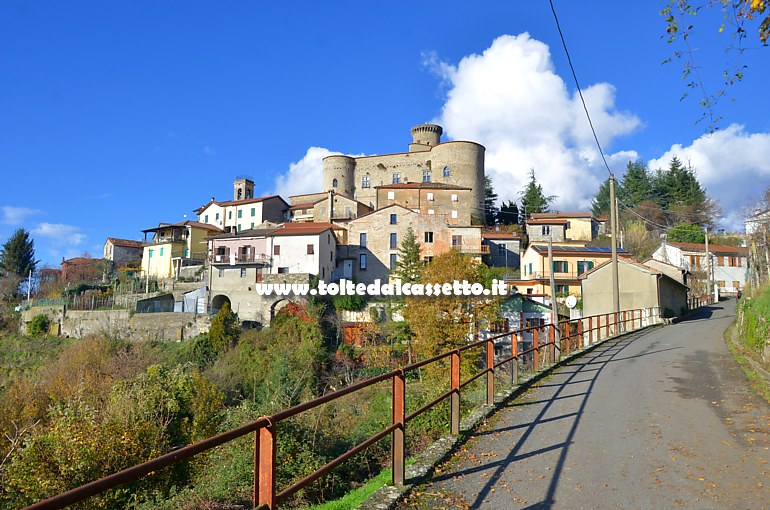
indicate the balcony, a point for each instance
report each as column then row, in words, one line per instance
column 546, row 275
column 232, row 259
column 473, row 249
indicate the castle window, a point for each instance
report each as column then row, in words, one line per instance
column 396, row 178
column 365, row 183
column 392, row 219
column 428, row 237
column 240, row 192
column 454, row 215
column 447, row 172
column 362, row 262
column 426, row 176
column 362, row 240
column 334, row 183
column 454, row 197
column 430, row 197
column 393, row 261
column 391, row 195
column 393, row 241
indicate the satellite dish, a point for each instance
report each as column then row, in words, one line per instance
column 571, row 301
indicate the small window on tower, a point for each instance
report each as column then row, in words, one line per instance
column 334, row 183
column 447, row 172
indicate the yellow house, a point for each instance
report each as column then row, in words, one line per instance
column 567, row 227
column 569, row 262
column 174, row 246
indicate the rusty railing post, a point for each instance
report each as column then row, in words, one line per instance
column 580, row 333
column 590, row 331
column 399, row 434
column 552, row 341
column 454, row 399
column 515, row 360
column 490, row 372
column 606, row 325
column 536, row 352
column 568, row 334
column 264, row 466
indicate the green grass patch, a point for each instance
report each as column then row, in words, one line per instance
column 757, row 383
column 355, row 497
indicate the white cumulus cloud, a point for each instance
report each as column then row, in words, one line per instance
column 60, row 234
column 11, row 215
column 510, row 99
column 733, row 166
column 303, row 176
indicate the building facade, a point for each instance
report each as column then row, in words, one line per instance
column 729, row 264
column 459, row 163
column 123, row 251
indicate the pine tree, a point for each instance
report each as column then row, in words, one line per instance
column 490, row 202
column 409, row 266
column 600, row 205
column 636, row 186
column 17, row 258
column 533, row 200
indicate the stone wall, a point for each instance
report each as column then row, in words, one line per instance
column 121, row 323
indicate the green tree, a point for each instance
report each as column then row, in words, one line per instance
column 490, row 202
column 17, row 258
column 508, row 214
column 600, row 205
column 224, row 329
column 686, row 233
column 533, row 200
column 636, row 186
column 409, row 266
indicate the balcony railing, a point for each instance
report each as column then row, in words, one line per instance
column 240, row 259
column 545, row 275
column 472, row 248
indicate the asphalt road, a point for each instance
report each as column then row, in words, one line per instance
column 661, row 418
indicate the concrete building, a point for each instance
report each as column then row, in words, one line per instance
column 123, row 251
column 568, row 227
column 244, row 211
column 455, row 203
column 729, row 264
column 459, row 163
column 504, row 250
column 640, row 287
column 175, row 245
column 569, row 262
column 375, row 239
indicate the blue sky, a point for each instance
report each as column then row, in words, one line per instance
column 115, row 116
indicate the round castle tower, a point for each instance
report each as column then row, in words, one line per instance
column 425, row 136
column 339, row 174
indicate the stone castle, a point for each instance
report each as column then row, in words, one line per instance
column 459, row 163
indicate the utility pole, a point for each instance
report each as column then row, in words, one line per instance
column 554, row 308
column 709, row 288
column 614, row 229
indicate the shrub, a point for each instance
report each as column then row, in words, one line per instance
column 39, row 325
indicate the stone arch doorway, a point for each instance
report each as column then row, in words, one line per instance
column 277, row 306
column 217, row 302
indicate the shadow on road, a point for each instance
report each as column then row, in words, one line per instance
column 699, row 314
column 586, row 370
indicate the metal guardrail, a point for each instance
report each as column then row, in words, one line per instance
column 565, row 337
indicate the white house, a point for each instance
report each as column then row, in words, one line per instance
column 729, row 264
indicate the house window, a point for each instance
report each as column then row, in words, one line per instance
column 161, row 251
column 447, row 172
column 454, row 215
column 216, row 217
column 562, row 289
column 721, row 284
column 393, row 241
column 393, row 261
column 334, row 183
column 530, row 268
column 396, row 178
column 253, row 211
column 391, row 195
column 362, row 262
column 239, row 227
column 362, row 239
column 365, row 183
column 720, row 261
column 454, row 197
column 736, row 284
column 392, row 219
column 150, row 252
column 734, row 262
column 426, row 176
column 428, row 259
column 206, row 219
column 240, row 213
column 229, row 215
column 431, row 211
column 243, row 272
column 310, row 249
column 457, row 241
column 560, row 266
column 545, row 230
column 283, row 270
column 277, row 249
column 252, row 225
column 584, row 265
column 430, row 197
column 501, row 249
column 428, row 237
